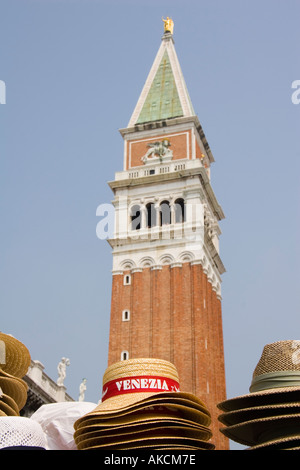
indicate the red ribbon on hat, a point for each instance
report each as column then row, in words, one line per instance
column 142, row 383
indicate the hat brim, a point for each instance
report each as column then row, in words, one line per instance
column 126, row 401
column 136, row 433
column 141, row 417
column 182, row 447
column 8, row 410
column 9, row 401
column 158, row 445
column 17, row 356
column 255, row 431
column 138, row 426
column 247, row 414
column 283, row 443
column 176, row 402
column 14, row 387
column 263, row 398
column 151, row 443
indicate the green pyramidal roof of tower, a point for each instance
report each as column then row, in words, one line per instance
column 163, row 100
column 164, row 95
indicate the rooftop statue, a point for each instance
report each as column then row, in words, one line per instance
column 168, row 25
column 82, row 389
column 61, row 368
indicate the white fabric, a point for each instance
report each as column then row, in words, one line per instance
column 57, row 421
column 20, row 431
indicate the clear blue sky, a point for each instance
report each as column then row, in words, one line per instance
column 73, row 71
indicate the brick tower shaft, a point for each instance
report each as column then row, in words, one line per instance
column 174, row 313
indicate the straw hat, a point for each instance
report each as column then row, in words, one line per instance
column 14, row 356
column 272, row 409
column 284, row 443
column 127, row 383
column 142, row 406
column 8, row 406
column 19, row 433
column 15, row 388
column 159, row 407
column 14, row 362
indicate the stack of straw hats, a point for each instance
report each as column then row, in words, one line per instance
column 269, row 416
column 142, row 408
column 14, row 362
column 16, row 432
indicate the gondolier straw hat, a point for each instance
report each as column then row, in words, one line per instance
column 127, row 383
column 142, row 405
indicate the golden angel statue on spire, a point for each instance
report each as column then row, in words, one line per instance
column 168, row 25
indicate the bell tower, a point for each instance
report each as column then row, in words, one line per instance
column 166, row 287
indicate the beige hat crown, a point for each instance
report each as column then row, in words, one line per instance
column 279, row 356
column 137, row 376
column 279, row 366
column 140, row 367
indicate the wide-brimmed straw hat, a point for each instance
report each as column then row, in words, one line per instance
column 284, row 443
column 158, row 406
column 14, row 356
column 8, row 406
column 272, row 409
column 14, row 387
column 127, row 383
column 142, row 405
